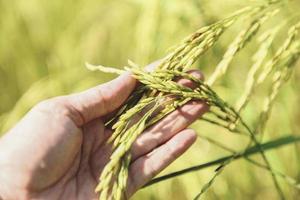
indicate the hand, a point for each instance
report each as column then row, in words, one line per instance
column 57, row 151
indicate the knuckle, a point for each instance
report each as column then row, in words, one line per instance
column 54, row 106
column 48, row 103
column 197, row 74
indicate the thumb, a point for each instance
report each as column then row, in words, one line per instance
column 103, row 99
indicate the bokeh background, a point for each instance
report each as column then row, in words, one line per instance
column 44, row 45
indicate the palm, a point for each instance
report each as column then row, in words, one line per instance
column 80, row 179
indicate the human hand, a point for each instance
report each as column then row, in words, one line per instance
column 58, row 150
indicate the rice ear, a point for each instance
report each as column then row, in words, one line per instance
column 158, row 86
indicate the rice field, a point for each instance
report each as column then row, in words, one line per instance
column 45, row 45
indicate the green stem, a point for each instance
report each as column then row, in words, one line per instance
column 288, row 179
column 252, row 135
column 274, row 144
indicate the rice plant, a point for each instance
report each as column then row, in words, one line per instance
column 159, row 84
column 248, row 59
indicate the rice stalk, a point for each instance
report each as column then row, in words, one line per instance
column 103, row 69
column 274, row 144
column 219, row 170
column 291, row 181
column 241, row 40
column 226, row 126
column 280, row 77
column 186, row 53
column 292, row 33
column 159, row 86
column 172, row 87
column 124, row 120
column 265, row 42
column 112, row 169
column 211, row 181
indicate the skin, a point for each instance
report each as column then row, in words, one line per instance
column 58, row 150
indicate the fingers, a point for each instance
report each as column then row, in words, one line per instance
column 168, row 127
column 103, row 99
column 188, row 83
column 148, row 166
column 172, row 124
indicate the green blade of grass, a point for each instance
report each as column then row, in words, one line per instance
column 274, row 144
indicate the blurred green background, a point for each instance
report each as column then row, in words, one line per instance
column 44, row 45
